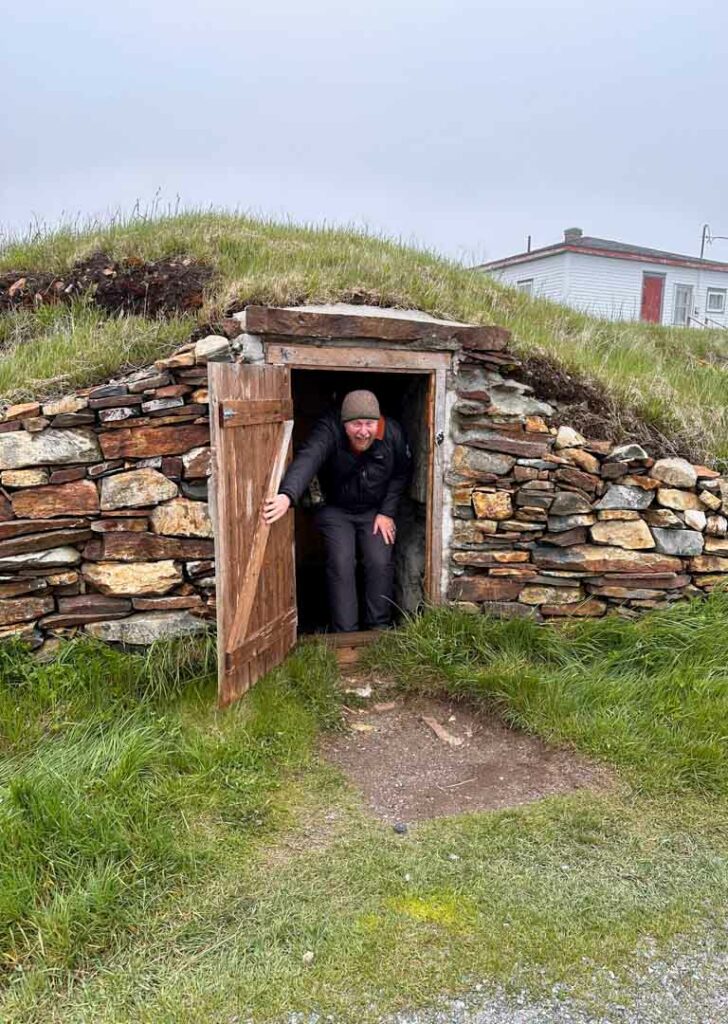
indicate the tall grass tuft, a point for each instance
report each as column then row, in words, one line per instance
column 54, row 349
column 650, row 696
column 113, row 767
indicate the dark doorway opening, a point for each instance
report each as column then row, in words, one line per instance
column 405, row 397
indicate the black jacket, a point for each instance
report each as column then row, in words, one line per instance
column 373, row 480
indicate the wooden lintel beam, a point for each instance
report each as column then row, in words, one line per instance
column 299, row 323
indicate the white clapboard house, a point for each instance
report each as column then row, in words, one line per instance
column 616, row 281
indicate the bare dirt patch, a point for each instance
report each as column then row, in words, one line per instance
column 130, row 286
column 407, row 773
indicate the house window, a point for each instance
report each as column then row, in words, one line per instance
column 683, row 307
column 526, row 285
column 715, row 302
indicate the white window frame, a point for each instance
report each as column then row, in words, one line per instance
column 525, row 285
column 688, row 305
column 715, row 293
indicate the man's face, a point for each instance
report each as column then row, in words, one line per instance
column 361, row 433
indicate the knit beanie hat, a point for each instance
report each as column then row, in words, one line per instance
column 360, row 405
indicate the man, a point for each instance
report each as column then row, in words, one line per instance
column 363, row 464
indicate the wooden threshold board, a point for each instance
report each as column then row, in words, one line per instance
column 347, row 646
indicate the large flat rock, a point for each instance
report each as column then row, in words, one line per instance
column 594, row 558
column 633, row 534
column 678, row 542
column 131, row 579
column 475, row 464
column 621, row 496
column 24, row 609
column 484, row 588
column 74, row 611
column 54, row 558
column 675, row 472
column 19, row 448
column 182, row 517
column 42, row 541
column 146, row 442
column 673, row 497
column 146, row 627
column 72, row 499
column 146, row 547
column 135, row 489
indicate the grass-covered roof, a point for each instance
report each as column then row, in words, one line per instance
column 675, row 379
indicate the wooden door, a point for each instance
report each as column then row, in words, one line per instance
column 251, row 420
column 653, row 286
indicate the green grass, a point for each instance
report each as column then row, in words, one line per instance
column 56, row 349
column 561, row 892
column 650, row 696
column 116, row 771
column 162, row 862
column 674, row 378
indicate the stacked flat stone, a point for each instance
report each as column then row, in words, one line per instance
column 548, row 523
column 104, row 523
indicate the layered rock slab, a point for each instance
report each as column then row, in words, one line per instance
column 597, row 559
column 145, row 628
column 20, row 449
column 130, row 579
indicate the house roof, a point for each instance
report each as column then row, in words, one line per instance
column 575, row 241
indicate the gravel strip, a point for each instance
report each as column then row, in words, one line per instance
column 691, row 987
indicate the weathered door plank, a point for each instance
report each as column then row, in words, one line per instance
column 256, row 555
column 253, row 562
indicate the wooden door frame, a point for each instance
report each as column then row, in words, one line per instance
column 377, row 359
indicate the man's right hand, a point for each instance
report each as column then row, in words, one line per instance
column 276, row 509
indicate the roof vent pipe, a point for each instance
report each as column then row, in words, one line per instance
column 573, row 235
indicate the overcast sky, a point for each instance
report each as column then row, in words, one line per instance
column 463, row 125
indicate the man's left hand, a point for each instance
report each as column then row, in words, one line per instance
column 385, row 526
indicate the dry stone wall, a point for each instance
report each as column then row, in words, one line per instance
column 104, row 520
column 552, row 524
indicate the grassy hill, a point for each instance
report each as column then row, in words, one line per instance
column 674, row 379
column 161, row 862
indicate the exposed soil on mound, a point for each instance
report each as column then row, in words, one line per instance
column 587, row 406
column 408, row 773
column 129, row 286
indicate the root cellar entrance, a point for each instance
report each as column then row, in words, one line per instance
column 271, row 582
column 405, row 398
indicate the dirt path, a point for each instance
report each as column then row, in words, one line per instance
column 419, row 758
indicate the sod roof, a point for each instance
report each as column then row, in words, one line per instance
column 674, row 380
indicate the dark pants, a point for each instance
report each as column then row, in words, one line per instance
column 347, row 534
